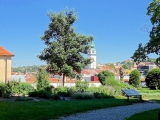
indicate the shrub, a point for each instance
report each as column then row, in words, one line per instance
column 84, row 95
column 56, row 97
column 2, row 86
column 26, row 88
column 33, row 93
column 23, row 99
column 82, row 85
column 153, row 79
column 7, row 90
column 42, row 79
column 64, row 91
column 103, row 75
column 44, row 94
column 134, row 78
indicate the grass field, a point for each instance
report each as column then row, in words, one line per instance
column 44, row 110
column 148, row 115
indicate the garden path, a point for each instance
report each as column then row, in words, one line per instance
column 114, row 113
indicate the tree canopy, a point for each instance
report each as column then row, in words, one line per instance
column 153, row 79
column 134, row 78
column 153, row 45
column 64, row 47
column 103, row 75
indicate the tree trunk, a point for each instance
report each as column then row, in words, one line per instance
column 63, row 79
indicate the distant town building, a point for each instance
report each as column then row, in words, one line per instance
column 143, row 69
column 5, row 65
column 92, row 55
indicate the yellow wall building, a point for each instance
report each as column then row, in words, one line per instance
column 126, row 71
column 5, row 65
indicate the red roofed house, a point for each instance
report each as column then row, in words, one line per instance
column 5, row 65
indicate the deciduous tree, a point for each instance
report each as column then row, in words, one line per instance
column 65, row 49
column 153, row 79
column 134, row 78
column 153, row 46
column 103, row 75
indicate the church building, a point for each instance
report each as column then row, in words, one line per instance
column 92, row 55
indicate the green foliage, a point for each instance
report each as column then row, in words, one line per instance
column 153, row 79
column 103, row 75
column 16, row 88
column 157, row 62
column 12, row 88
column 65, row 49
column 81, row 85
column 121, row 73
column 134, row 78
column 24, row 69
column 2, row 86
column 153, row 45
column 33, row 93
column 23, row 99
column 44, row 94
column 42, row 79
column 84, row 95
column 7, row 90
column 56, row 97
column 112, row 88
column 125, row 66
column 26, row 88
column 140, row 54
column 103, row 90
column 115, row 86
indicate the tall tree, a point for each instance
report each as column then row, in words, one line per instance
column 42, row 79
column 134, row 78
column 140, row 54
column 65, row 48
column 121, row 73
column 153, row 46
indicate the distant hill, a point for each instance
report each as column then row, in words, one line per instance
column 24, row 69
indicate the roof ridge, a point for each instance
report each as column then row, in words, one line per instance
column 4, row 52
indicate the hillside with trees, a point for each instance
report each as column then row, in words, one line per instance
column 24, row 69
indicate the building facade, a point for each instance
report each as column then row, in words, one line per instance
column 5, row 65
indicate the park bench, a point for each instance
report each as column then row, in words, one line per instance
column 131, row 93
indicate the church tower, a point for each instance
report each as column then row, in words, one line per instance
column 92, row 55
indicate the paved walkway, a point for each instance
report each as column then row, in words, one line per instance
column 114, row 113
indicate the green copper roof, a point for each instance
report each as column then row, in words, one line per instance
column 92, row 46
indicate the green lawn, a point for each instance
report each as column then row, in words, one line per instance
column 148, row 94
column 44, row 110
column 148, row 115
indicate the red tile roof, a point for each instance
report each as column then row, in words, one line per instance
column 85, row 72
column 4, row 52
column 53, row 80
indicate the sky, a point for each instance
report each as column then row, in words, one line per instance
column 118, row 26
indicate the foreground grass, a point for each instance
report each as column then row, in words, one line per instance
column 44, row 110
column 148, row 115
